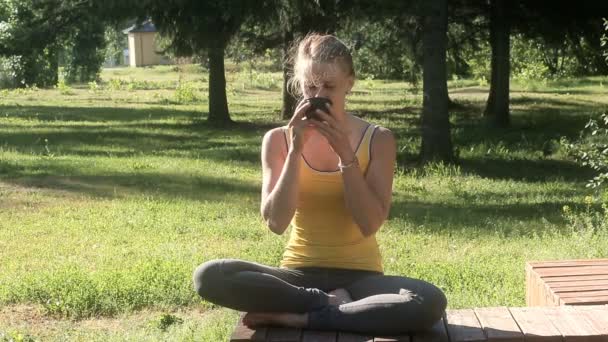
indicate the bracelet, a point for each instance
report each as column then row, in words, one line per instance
column 341, row 166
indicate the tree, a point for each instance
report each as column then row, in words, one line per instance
column 33, row 32
column 497, row 106
column 199, row 27
column 436, row 140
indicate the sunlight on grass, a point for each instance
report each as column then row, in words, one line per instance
column 111, row 194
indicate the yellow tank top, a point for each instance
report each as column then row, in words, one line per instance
column 323, row 233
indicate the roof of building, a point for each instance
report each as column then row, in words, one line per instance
column 146, row 26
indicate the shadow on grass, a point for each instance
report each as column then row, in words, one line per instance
column 134, row 131
column 192, row 187
column 483, row 218
column 527, row 170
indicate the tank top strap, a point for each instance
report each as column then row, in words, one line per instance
column 364, row 153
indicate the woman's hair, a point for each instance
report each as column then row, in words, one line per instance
column 317, row 48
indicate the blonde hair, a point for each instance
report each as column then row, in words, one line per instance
column 317, row 48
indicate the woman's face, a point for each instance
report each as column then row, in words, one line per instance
column 327, row 80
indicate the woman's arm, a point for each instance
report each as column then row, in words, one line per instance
column 368, row 198
column 279, row 183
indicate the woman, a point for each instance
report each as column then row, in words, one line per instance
column 331, row 178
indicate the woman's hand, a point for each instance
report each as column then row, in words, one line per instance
column 300, row 129
column 336, row 132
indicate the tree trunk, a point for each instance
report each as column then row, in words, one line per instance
column 289, row 101
column 497, row 106
column 218, row 103
column 436, row 140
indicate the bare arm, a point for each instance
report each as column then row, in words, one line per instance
column 368, row 197
column 279, row 185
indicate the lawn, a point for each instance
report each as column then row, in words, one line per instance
column 112, row 192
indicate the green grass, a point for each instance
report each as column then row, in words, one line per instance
column 112, row 193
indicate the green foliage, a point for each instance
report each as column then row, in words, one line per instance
column 38, row 68
column 378, row 51
column 164, row 321
column 115, row 43
column 592, row 149
column 604, row 40
column 16, row 336
column 85, row 51
column 185, row 93
column 250, row 77
column 589, row 224
column 64, row 88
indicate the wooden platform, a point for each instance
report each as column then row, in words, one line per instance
column 547, row 324
column 568, row 282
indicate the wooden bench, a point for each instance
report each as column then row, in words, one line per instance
column 567, row 282
column 547, row 324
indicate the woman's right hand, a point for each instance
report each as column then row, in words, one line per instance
column 299, row 127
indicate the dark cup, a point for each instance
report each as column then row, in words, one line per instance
column 316, row 103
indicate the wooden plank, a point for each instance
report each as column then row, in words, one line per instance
column 580, row 283
column 584, row 300
column 573, row 262
column 498, row 324
column 535, row 325
column 565, row 271
column 463, row 326
column 319, row 336
column 573, row 327
column 589, row 277
column 404, row 338
column 531, row 284
column 585, row 288
column 600, row 293
column 277, row 334
column 597, row 315
column 437, row 333
column 243, row 333
column 349, row 337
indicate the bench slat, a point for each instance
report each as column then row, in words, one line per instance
column 243, row 333
column 597, row 315
column 581, row 283
column 602, row 293
column 575, row 262
column 463, row 326
column 348, row 337
column 558, row 279
column 283, row 335
column 535, row 325
column 319, row 336
column 572, row 326
column 438, row 333
column 575, row 271
column 584, row 300
column 405, row 338
column 498, row 324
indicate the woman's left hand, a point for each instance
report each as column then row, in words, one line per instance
column 336, row 132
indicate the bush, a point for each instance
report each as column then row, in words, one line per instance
column 592, row 149
column 185, row 93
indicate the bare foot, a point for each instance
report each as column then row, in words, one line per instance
column 283, row 319
column 339, row 296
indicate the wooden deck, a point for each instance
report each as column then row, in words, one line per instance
column 547, row 324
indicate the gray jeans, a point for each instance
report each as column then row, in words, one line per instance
column 382, row 304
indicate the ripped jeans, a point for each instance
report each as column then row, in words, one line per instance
column 381, row 304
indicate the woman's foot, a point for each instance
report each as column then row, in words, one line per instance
column 339, row 296
column 283, row 319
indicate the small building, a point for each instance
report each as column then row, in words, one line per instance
column 143, row 49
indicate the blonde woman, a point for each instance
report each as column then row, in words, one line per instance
column 330, row 177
